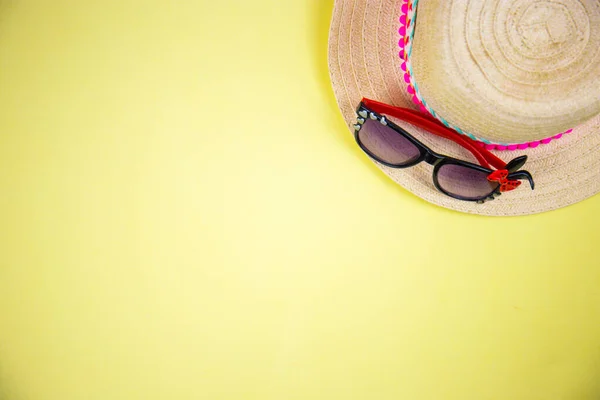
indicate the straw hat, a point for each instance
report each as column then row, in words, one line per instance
column 522, row 77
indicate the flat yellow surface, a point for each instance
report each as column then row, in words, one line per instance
column 183, row 215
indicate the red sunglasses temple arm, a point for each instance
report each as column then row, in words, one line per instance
column 440, row 130
column 430, row 124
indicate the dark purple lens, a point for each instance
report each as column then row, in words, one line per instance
column 386, row 144
column 465, row 182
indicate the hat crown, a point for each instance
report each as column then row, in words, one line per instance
column 509, row 70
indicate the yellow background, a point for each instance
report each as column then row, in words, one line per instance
column 184, row 215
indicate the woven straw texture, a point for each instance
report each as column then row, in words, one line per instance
column 527, row 69
column 363, row 62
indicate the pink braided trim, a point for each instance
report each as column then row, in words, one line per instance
column 406, row 31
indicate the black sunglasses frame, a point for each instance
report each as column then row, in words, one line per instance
column 433, row 158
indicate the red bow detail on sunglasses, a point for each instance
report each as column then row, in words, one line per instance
column 501, row 176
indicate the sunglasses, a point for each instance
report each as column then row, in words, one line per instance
column 390, row 145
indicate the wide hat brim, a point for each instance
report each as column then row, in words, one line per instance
column 364, row 62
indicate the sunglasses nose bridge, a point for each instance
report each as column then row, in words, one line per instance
column 432, row 158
